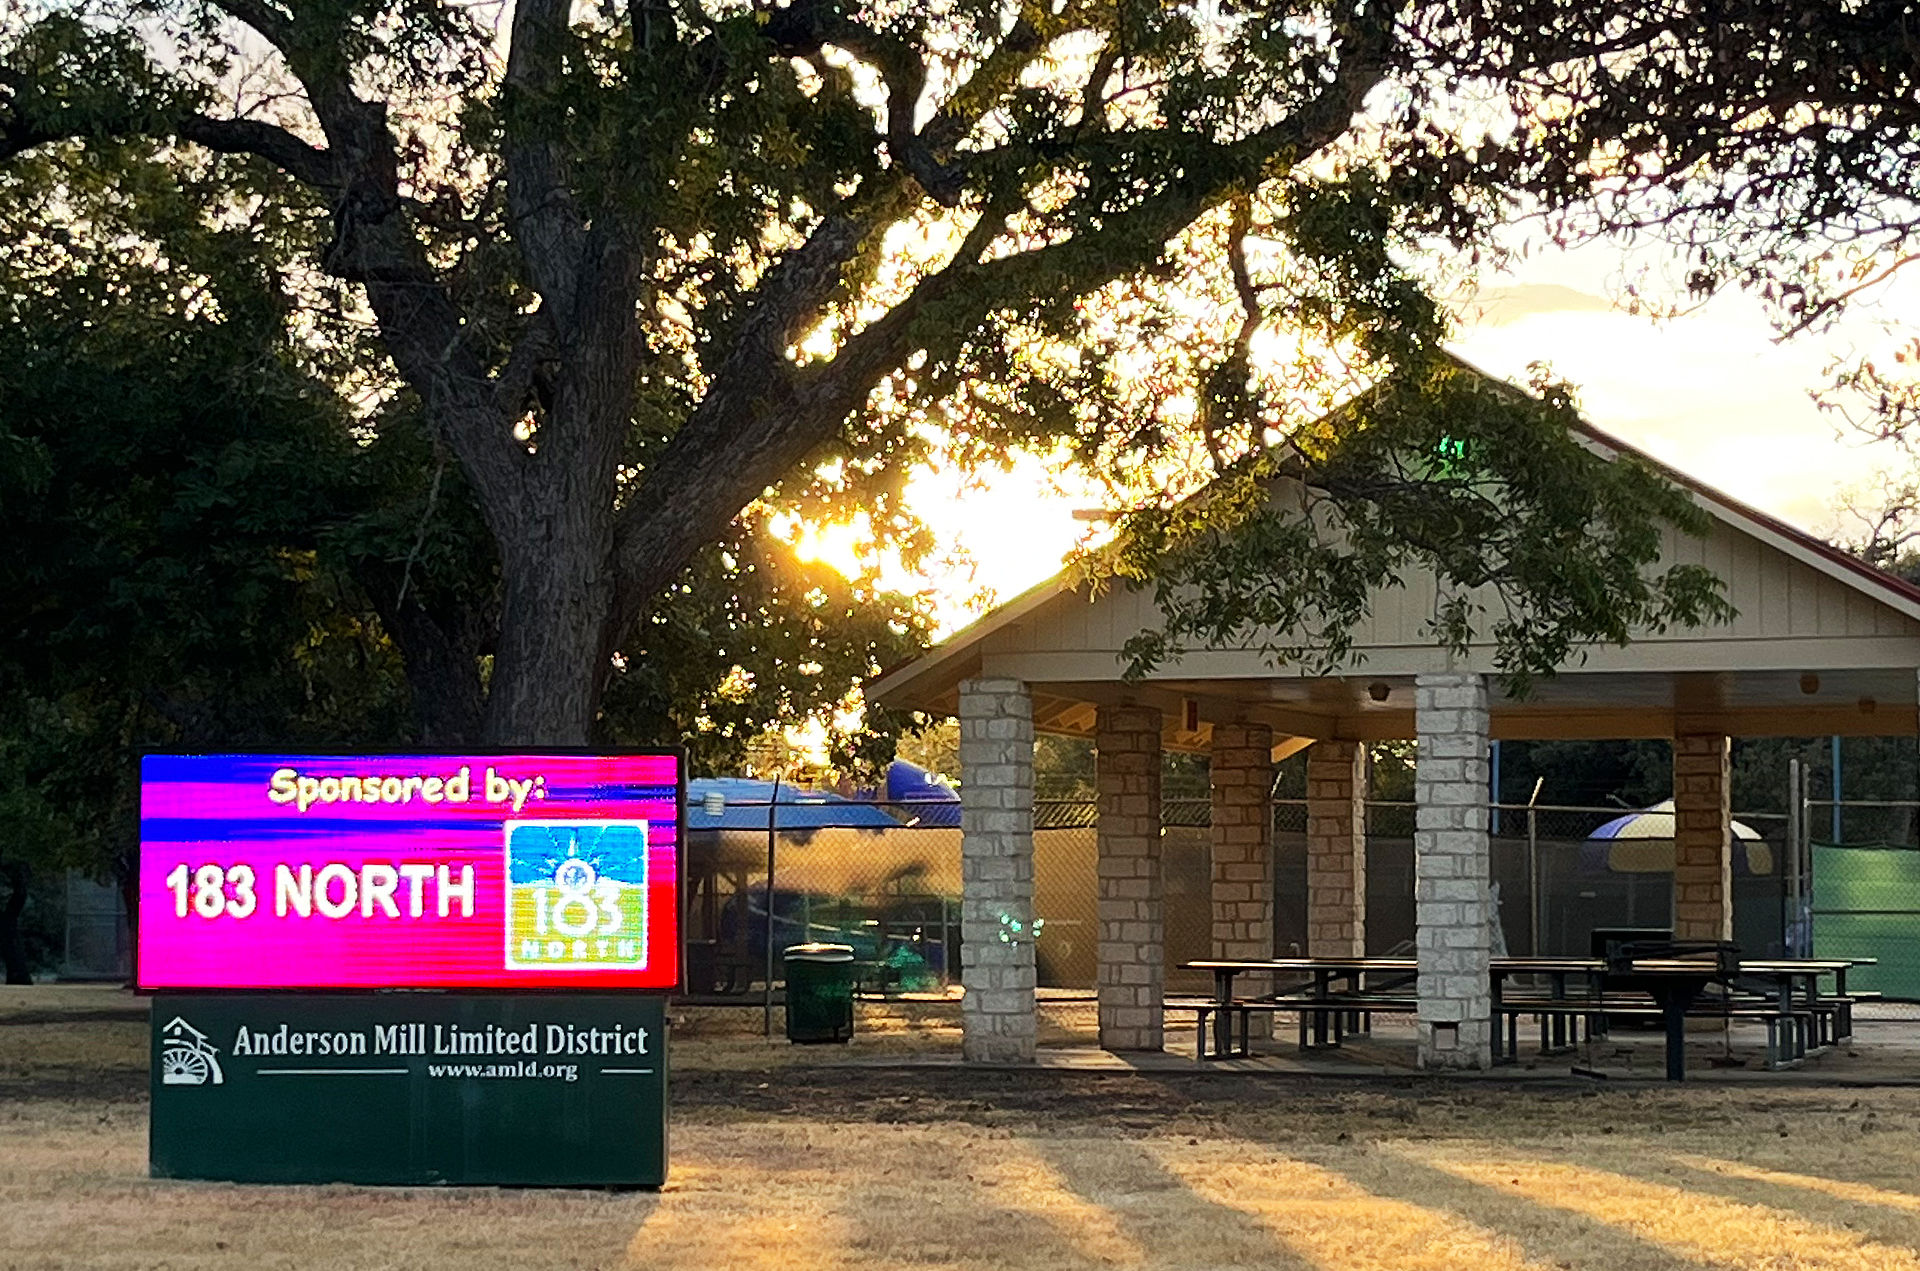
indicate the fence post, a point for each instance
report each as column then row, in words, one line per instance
column 1836, row 791
column 1803, row 867
column 1533, row 867
column 1493, row 796
column 766, row 1018
column 1796, row 829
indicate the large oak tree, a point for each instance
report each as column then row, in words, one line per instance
column 640, row 267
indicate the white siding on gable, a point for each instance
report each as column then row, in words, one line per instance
column 1789, row 613
column 1730, row 555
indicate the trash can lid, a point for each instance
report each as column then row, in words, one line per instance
column 819, row 953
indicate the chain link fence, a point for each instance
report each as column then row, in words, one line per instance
column 882, row 878
column 887, row 881
column 891, row 889
column 98, row 945
column 1558, row 873
column 1864, row 898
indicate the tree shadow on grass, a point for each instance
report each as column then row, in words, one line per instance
column 1554, row 1237
column 133, row 1013
column 871, row 1195
column 968, row 1226
column 1892, row 1218
column 86, row 1085
column 1156, row 1210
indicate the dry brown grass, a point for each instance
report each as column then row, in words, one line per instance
column 785, row 1160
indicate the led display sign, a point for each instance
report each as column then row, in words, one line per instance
column 414, row 871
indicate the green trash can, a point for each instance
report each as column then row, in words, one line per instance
column 819, row 992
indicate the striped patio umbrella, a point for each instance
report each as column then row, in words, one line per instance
column 1642, row 843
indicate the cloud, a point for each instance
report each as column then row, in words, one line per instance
column 1498, row 306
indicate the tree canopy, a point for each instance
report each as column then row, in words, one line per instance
column 166, row 483
column 638, row 274
column 1773, row 144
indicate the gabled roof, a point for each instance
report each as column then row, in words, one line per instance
column 928, row 682
column 1810, row 549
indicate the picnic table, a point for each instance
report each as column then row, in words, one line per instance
column 1673, row 983
column 1784, row 994
column 1798, row 980
column 1335, row 992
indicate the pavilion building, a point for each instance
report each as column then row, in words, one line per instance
column 1821, row 644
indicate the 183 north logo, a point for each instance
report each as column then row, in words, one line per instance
column 187, row 1058
column 576, row 894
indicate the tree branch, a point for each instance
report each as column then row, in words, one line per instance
column 790, row 411
column 374, row 244
column 28, row 120
column 710, row 474
column 1828, row 305
column 276, row 26
column 309, row 165
column 989, row 82
column 803, row 28
column 547, row 225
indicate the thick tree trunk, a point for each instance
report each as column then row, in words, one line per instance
column 13, row 944
column 555, row 530
column 556, row 569
column 549, row 667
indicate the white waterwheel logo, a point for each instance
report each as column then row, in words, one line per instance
column 187, row 1058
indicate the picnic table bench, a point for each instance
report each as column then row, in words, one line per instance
column 1333, row 997
column 1337, row 996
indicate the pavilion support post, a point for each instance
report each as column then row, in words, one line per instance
column 1702, row 838
column 1451, row 871
column 996, row 871
column 1336, row 850
column 1240, row 775
column 1132, row 946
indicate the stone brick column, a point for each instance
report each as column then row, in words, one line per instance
column 996, row 871
column 1132, row 949
column 1240, row 769
column 1451, row 872
column 1702, row 839
column 1336, row 849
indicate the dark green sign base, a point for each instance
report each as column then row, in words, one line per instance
column 566, row 1090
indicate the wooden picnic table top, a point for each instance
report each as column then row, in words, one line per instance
column 1505, row 966
column 1547, row 966
column 1308, row 964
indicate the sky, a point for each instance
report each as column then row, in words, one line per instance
column 1711, row 393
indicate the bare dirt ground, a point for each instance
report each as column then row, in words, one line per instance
column 801, row 1157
